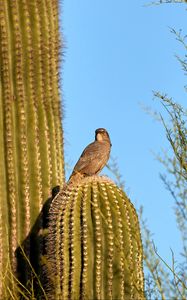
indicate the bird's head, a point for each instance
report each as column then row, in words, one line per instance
column 102, row 135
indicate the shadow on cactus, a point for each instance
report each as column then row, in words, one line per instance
column 94, row 248
column 30, row 277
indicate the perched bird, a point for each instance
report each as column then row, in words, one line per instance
column 93, row 158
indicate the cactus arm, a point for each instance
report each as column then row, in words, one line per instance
column 31, row 139
column 95, row 230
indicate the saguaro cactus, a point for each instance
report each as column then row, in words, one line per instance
column 31, row 152
column 94, row 248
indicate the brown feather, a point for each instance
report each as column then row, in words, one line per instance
column 93, row 158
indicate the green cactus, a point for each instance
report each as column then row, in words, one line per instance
column 31, row 142
column 94, row 248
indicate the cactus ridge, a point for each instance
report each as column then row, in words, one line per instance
column 42, row 91
column 33, row 106
column 94, row 248
column 8, row 174
column 118, row 229
column 55, row 44
column 22, row 139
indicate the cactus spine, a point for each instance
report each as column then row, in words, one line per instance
column 31, row 152
column 94, row 245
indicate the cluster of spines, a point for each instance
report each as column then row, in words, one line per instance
column 94, row 244
column 31, row 140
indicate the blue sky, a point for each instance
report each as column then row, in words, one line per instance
column 117, row 53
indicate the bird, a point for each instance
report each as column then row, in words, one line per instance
column 93, row 158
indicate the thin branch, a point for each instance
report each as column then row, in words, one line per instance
column 166, row 264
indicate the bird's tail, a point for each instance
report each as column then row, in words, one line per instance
column 75, row 178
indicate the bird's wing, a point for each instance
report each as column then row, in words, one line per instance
column 91, row 152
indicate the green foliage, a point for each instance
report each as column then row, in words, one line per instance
column 166, row 280
column 94, row 248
